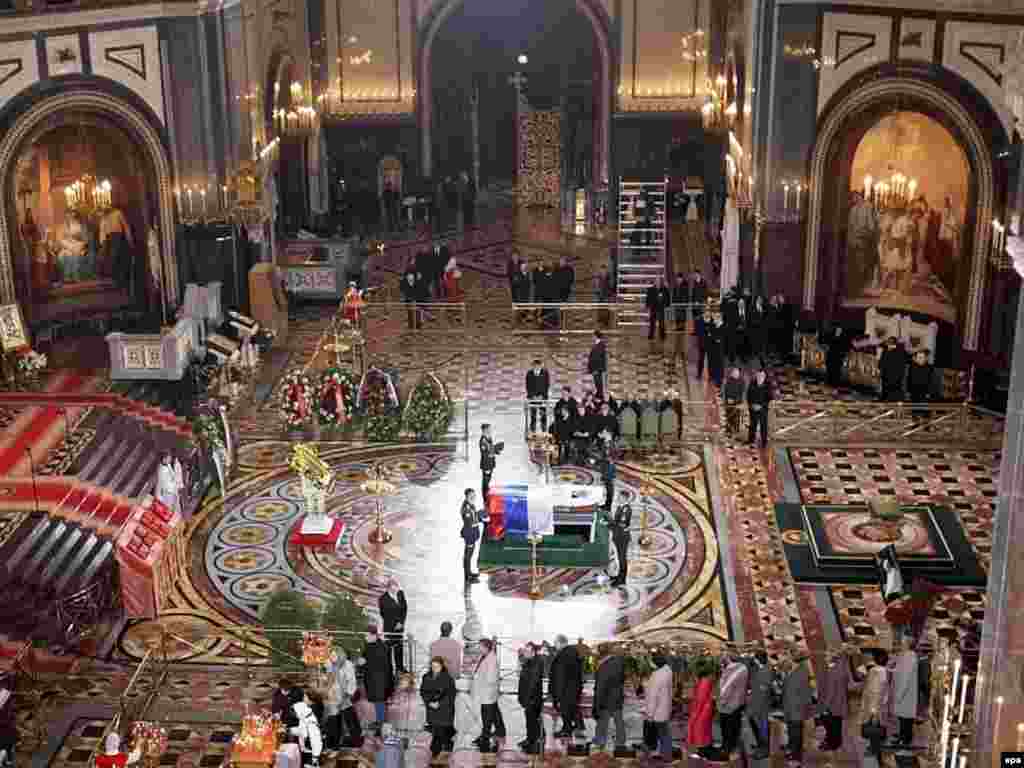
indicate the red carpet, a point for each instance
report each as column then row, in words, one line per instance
column 39, row 428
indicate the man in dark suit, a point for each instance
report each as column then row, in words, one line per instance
column 537, row 385
column 759, row 395
column 892, row 369
column 619, row 527
column 488, row 460
column 566, row 401
column 393, row 610
column 470, row 535
column 681, row 295
column 531, row 698
column 713, row 340
column 566, row 276
column 597, row 363
column 657, row 301
column 564, row 683
column 582, row 434
column 414, row 293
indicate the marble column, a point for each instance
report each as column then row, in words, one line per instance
column 999, row 697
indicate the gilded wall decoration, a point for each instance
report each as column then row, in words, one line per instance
column 540, row 157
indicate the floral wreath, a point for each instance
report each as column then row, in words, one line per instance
column 377, row 392
column 335, row 397
column 296, row 399
column 429, row 408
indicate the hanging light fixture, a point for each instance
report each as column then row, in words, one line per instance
column 87, row 197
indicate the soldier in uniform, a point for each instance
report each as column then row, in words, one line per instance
column 470, row 535
column 619, row 526
column 488, row 458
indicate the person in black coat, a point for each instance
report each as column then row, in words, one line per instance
column 566, row 277
column 468, row 200
column 564, row 685
column 538, row 384
column 488, row 460
column 284, row 697
column 437, row 690
column 522, row 288
column 919, row 382
column 713, row 341
column 393, row 610
column 892, row 369
column 582, row 435
column 619, row 527
column 681, row 295
column 657, row 301
column 597, row 363
column 531, row 698
column 838, row 348
column 561, row 430
column 609, row 695
column 757, row 328
column 378, row 675
column 470, row 535
column 759, row 395
column 567, row 402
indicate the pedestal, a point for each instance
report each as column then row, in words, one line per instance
column 327, row 541
column 999, row 696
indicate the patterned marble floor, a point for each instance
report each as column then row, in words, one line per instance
column 965, row 481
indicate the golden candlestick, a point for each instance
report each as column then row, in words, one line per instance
column 379, row 488
column 535, row 592
column 646, row 489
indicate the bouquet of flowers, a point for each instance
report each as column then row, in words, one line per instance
column 31, row 363
column 316, row 649
column 336, row 397
column 428, row 411
column 377, row 392
column 149, row 738
column 296, row 399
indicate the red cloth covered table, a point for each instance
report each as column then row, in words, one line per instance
column 324, row 542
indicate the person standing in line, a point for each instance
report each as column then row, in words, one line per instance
column 449, row 649
column 538, row 384
column 834, row 700
column 732, row 695
column 378, row 675
column 680, row 298
column 488, row 460
column 892, row 369
column 393, row 611
column 732, row 396
column 919, row 382
column 905, row 687
column 657, row 301
column 759, row 397
column 597, row 363
column 658, row 704
column 608, row 477
column 619, row 526
column 564, row 683
column 414, row 293
column 531, row 698
column 566, row 279
column 835, row 356
column 796, row 706
column 485, row 690
column 757, row 325
column 759, row 703
column 713, row 345
column 470, row 535
column 438, row 692
column 340, row 715
column 603, row 294
column 609, row 696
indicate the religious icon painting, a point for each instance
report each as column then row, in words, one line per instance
column 13, row 333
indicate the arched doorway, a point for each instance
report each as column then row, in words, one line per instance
column 923, row 115
column 35, row 169
column 291, row 180
column 596, row 15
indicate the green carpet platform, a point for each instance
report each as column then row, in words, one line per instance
column 563, row 550
column 837, row 544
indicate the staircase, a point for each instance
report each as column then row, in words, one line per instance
column 642, row 238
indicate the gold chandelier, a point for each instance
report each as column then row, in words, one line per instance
column 717, row 114
column 88, row 198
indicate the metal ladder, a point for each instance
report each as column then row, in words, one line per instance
column 641, row 247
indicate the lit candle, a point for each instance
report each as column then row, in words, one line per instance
column 963, row 698
column 202, row 194
column 956, row 676
column 224, row 190
column 188, row 194
column 944, row 734
column 963, row 761
column 912, row 187
column 867, row 187
column 799, row 192
column 785, row 195
column 953, row 752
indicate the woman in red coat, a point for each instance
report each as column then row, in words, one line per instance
column 702, row 712
column 452, row 289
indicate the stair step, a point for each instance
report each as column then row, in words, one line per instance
column 34, row 536
column 75, row 566
column 98, row 454
column 144, row 478
column 92, row 567
column 55, row 534
column 124, row 469
column 113, row 464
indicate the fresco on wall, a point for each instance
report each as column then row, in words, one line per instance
column 904, row 241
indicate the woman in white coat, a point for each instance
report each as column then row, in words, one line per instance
column 340, row 714
column 485, row 690
column 311, row 742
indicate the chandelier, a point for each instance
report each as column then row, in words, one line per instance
column 298, row 120
column 88, row 198
column 897, row 191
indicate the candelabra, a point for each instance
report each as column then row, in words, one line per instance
column 793, row 199
column 998, row 257
column 298, row 121
column 718, row 114
column 949, row 696
column 535, row 592
column 897, row 191
column 87, row 197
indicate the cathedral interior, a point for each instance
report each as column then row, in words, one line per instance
column 701, row 314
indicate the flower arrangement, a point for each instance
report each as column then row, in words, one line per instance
column 208, row 431
column 258, row 733
column 377, row 392
column 429, row 410
column 336, row 397
column 383, row 428
column 149, row 738
column 31, row 363
column 296, row 399
column 316, row 649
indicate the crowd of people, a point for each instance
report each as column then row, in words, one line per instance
column 740, row 691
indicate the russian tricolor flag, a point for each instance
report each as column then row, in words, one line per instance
column 520, row 510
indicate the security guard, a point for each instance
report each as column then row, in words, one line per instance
column 488, row 455
column 470, row 535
